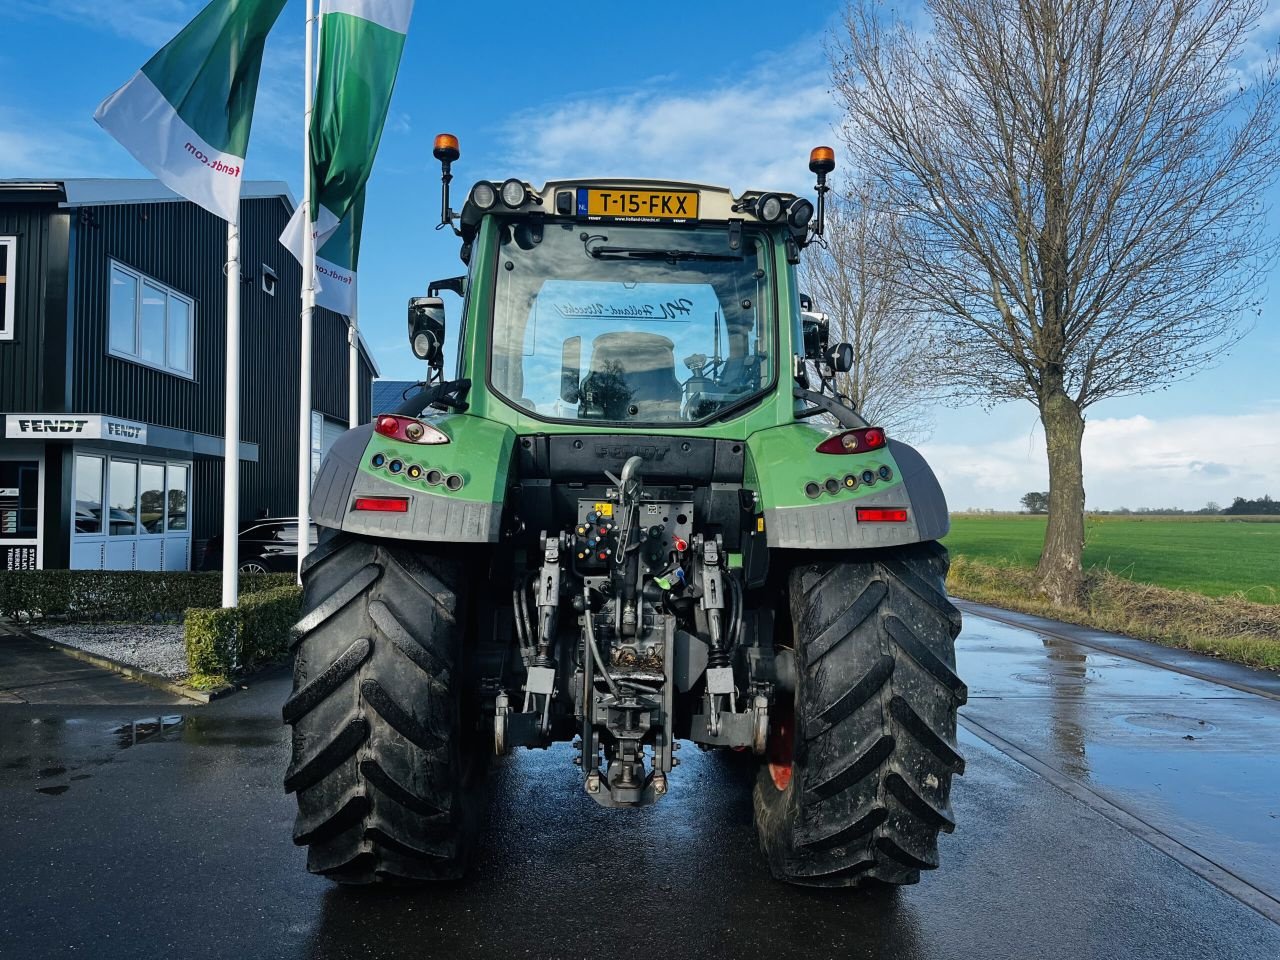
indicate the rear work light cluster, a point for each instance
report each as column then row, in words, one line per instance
column 408, row 429
column 854, row 441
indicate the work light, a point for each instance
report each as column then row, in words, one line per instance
column 484, row 195
column 514, row 193
column 422, row 344
column 769, row 207
column 800, row 213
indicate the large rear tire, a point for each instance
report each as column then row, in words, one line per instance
column 857, row 783
column 382, row 764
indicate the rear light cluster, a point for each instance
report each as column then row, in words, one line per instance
column 854, row 441
column 432, row 476
column 833, row 485
column 408, row 429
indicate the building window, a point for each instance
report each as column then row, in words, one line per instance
column 269, row 281
column 324, row 432
column 151, row 498
column 8, row 257
column 176, row 518
column 19, row 499
column 144, row 497
column 149, row 322
column 88, row 494
column 122, row 482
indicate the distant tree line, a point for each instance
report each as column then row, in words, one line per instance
column 1263, row 504
column 1035, row 502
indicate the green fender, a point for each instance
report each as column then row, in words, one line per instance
column 782, row 463
column 360, row 464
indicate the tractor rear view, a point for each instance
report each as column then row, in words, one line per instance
column 618, row 523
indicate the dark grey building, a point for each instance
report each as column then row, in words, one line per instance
column 389, row 394
column 112, row 372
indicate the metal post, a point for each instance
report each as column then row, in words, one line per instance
column 353, row 375
column 231, row 429
column 308, row 303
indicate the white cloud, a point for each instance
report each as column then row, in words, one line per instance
column 750, row 132
column 1134, row 462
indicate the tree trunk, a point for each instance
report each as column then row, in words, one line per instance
column 1060, row 571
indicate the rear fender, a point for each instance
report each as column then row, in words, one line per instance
column 781, row 461
column 479, row 454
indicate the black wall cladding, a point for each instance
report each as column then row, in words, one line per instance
column 32, row 364
column 184, row 247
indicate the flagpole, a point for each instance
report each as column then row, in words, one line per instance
column 353, row 375
column 308, row 304
column 231, row 429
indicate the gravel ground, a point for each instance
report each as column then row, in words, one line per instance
column 157, row 647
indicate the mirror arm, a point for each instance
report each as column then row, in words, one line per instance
column 845, row 416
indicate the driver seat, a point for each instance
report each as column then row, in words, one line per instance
column 630, row 369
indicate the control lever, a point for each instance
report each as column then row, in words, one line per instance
column 719, row 672
column 541, row 676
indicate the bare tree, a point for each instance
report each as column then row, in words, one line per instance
column 855, row 278
column 1084, row 178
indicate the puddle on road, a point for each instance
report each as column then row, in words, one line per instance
column 140, row 731
column 1191, row 757
column 55, row 749
column 1168, row 723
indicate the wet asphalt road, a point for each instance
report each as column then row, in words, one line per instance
column 1110, row 809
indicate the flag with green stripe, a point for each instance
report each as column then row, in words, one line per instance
column 337, row 260
column 361, row 42
column 186, row 114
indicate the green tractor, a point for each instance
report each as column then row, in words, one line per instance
column 637, row 515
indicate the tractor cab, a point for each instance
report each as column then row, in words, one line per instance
column 624, row 303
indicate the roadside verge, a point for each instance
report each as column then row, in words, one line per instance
column 1227, row 628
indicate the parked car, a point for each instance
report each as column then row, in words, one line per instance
column 269, row 545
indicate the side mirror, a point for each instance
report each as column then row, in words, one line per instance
column 571, row 369
column 806, row 303
column 841, row 357
column 426, row 329
column 817, row 334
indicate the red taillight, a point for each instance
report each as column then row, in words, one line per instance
column 408, row 429
column 854, row 441
column 383, row 504
column 882, row 515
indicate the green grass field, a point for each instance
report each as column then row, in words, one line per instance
column 1214, row 556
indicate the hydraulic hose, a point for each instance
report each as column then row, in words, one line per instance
column 739, row 611
column 524, row 621
column 591, row 645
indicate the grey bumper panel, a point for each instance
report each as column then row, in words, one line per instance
column 834, row 525
column 431, row 516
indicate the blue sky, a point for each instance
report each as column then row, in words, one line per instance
column 732, row 93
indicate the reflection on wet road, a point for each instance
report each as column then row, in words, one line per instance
column 1195, row 759
column 159, row 832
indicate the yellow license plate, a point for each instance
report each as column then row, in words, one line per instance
column 639, row 204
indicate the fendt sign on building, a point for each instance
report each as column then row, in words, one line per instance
column 79, row 426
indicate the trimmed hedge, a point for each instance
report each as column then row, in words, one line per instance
column 212, row 635
column 223, row 640
column 120, row 595
column 268, row 625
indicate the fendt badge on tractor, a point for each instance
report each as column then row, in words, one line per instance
column 619, row 524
